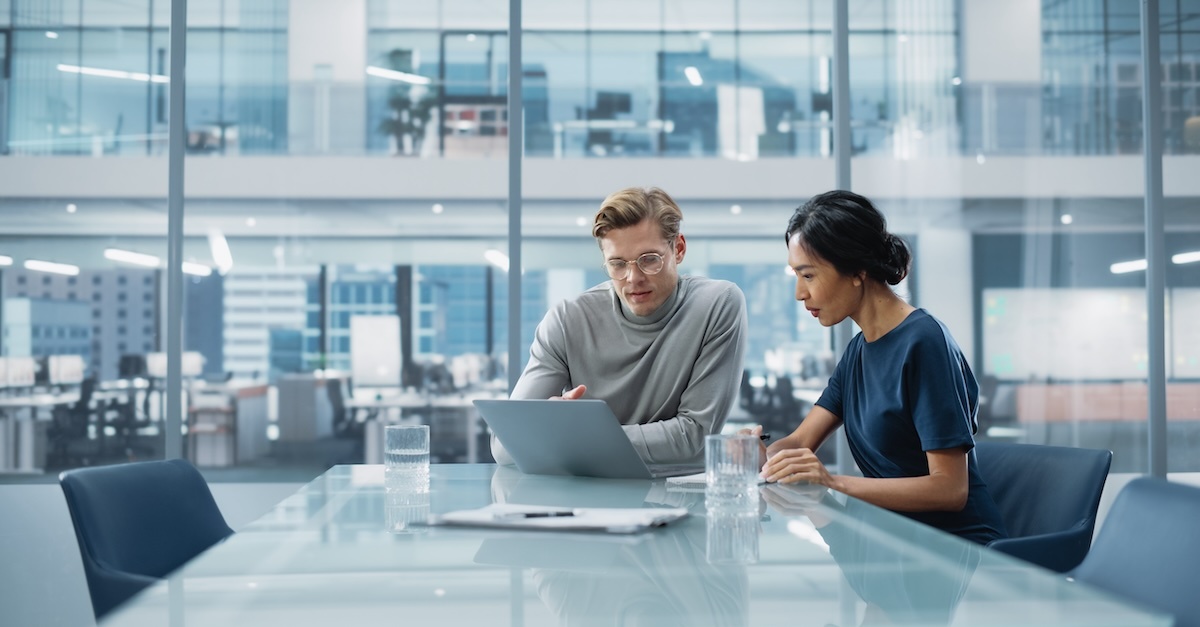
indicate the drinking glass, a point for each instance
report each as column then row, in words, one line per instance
column 406, row 458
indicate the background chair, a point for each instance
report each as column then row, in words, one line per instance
column 137, row 522
column 1047, row 496
column 1148, row 550
column 67, row 435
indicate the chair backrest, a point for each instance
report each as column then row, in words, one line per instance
column 1148, row 550
column 138, row 522
column 1043, row 489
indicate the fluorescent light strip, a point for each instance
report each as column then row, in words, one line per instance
column 1188, row 257
column 693, row 75
column 496, row 258
column 220, row 251
column 95, row 71
column 196, row 269
column 128, row 256
column 1125, row 267
column 395, row 75
column 5, row 260
column 51, row 267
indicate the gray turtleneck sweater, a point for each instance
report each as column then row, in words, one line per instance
column 670, row 377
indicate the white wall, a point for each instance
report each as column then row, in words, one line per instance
column 1002, row 41
column 944, row 286
column 327, row 60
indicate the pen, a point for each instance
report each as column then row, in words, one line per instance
column 555, row 514
column 765, row 436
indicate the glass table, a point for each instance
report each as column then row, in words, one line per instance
column 343, row 550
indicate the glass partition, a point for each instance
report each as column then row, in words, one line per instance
column 366, row 177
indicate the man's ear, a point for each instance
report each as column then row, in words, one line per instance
column 680, row 248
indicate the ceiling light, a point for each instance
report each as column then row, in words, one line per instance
column 581, row 221
column 736, row 210
column 196, row 269
column 128, row 256
column 1188, row 257
column 496, row 258
column 51, row 35
column 956, row 81
column 1066, row 218
column 395, row 75
column 693, row 75
column 5, row 260
column 72, row 207
column 1125, row 267
column 251, row 221
column 221, row 254
column 105, row 73
column 980, row 159
column 50, row 266
column 438, row 208
column 471, row 37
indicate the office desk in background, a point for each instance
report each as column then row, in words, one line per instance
column 411, row 408
column 19, row 417
column 329, row 555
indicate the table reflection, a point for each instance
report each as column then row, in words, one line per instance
column 663, row 577
column 895, row 588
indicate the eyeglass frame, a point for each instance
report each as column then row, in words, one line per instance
column 628, row 267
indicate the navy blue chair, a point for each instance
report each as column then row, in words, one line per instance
column 1148, row 550
column 1047, row 496
column 138, row 522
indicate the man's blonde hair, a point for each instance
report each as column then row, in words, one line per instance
column 630, row 206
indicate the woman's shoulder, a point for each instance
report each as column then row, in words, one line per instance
column 924, row 330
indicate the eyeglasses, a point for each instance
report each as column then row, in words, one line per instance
column 649, row 263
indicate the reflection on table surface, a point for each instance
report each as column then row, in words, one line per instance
column 344, row 550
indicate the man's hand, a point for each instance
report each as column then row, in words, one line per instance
column 762, row 449
column 572, row 394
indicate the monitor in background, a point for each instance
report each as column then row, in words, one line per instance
column 65, row 369
column 131, row 366
column 22, row 372
column 191, row 364
column 375, row 351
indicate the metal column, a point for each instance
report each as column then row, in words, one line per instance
column 1152, row 113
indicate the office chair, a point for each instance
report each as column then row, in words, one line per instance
column 1047, row 496
column 138, row 522
column 1148, row 550
column 68, row 430
column 344, row 423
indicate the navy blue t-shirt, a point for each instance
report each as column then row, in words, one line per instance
column 906, row 393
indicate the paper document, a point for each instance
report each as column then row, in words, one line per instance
column 607, row 519
column 697, row 481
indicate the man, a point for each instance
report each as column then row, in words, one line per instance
column 664, row 351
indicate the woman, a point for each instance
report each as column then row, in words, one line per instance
column 902, row 390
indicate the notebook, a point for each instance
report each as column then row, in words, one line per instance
column 580, row 438
column 608, row 520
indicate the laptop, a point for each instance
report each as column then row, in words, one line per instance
column 580, row 438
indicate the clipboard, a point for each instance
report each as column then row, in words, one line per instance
column 541, row 518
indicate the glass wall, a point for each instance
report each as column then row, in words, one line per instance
column 347, row 165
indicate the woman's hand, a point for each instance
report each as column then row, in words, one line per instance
column 796, row 465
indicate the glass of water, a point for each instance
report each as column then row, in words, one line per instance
column 406, row 458
column 731, row 467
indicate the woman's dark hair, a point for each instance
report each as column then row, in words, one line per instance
column 846, row 230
